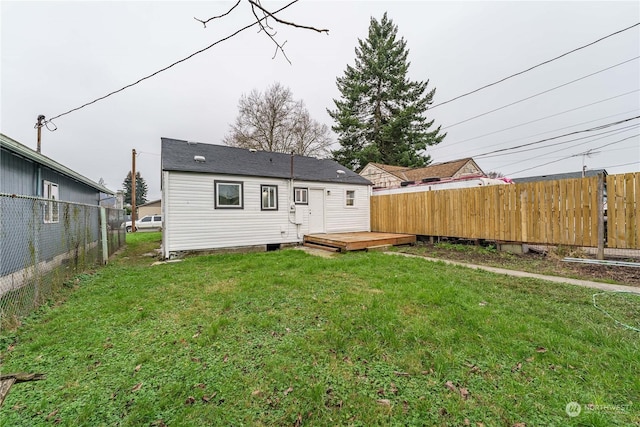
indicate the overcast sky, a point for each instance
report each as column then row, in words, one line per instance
column 59, row 55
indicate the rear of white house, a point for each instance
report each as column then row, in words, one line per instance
column 216, row 197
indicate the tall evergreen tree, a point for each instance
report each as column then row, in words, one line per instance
column 141, row 189
column 380, row 115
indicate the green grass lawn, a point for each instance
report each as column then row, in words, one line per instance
column 285, row 338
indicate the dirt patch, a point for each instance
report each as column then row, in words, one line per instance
column 549, row 264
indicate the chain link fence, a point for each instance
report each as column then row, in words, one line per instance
column 43, row 243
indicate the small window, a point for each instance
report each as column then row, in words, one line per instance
column 351, row 198
column 269, row 197
column 300, row 196
column 146, row 219
column 51, row 209
column 157, row 218
column 228, row 195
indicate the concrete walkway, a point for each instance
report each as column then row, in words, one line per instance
column 584, row 283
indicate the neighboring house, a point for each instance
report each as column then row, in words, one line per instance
column 216, row 196
column 150, row 208
column 386, row 176
column 567, row 175
column 39, row 230
column 25, row 172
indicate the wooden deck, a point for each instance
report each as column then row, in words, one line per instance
column 356, row 241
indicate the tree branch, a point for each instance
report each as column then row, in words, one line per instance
column 282, row 21
column 219, row 16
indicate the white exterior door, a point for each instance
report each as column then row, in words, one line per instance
column 316, row 211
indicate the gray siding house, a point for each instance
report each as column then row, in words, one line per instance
column 36, row 225
column 215, row 196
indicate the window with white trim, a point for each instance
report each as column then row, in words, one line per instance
column 301, row 196
column 269, row 194
column 51, row 212
column 350, row 198
column 229, row 195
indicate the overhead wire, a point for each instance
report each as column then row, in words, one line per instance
column 538, row 94
column 571, row 146
column 606, row 133
column 246, row 27
column 544, row 118
column 604, row 126
column 535, row 66
column 568, row 157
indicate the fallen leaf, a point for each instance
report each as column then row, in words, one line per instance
column 450, row 386
column 464, row 392
column 226, row 357
column 195, row 359
column 405, row 407
column 394, row 389
column 381, row 391
column 136, row 387
column 541, row 350
column 443, row 412
column 483, row 303
column 401, row 374
column 190, row 400
column 11, row 347
column 529, row 359
column 52, row 414
column 158, row 423
column 201, row 385
column 517, row 367
column 467, row 422
column 287, row 391
column 256, row 393
column 205, row 399
column 383, row 402
column 479, row 424
column 519, row 425
column 289, row 330
column 298, row 421
column 137, row 368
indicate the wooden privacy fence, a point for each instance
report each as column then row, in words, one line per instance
column 561, row 212
column 623, row 218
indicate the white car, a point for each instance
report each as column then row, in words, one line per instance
column 149, row 222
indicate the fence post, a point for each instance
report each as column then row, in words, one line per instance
column 103, row 235
column 600, row 208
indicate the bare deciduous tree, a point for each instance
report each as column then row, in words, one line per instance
column 273, row 121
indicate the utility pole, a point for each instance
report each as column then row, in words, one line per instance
column 39, row 125
column 133, row 190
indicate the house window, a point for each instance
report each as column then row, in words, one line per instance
column 269, row 197
column 301, row 196
column 229, row 195
column 350, row 199
column 51, row 208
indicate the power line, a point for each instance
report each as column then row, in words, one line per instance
column 610, row 132
column 623, row 164
column 535, row 66
column 568, row 157
column 171, row 65
column 544, row 118
column 571, row 146
column 539, row 93
column 607, row 125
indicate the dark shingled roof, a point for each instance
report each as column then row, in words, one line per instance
column 178, row 155
column 566, row 175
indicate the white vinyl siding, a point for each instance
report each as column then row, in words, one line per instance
column 192, row 222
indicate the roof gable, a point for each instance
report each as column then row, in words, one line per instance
column 439, row 170
column 179, row 155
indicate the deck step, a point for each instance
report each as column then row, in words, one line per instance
column 323, row 247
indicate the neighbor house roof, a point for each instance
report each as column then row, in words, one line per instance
column 440, row 170
column 27, row 153
column 149, row 203
column 566, row 175
column 178, row 155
